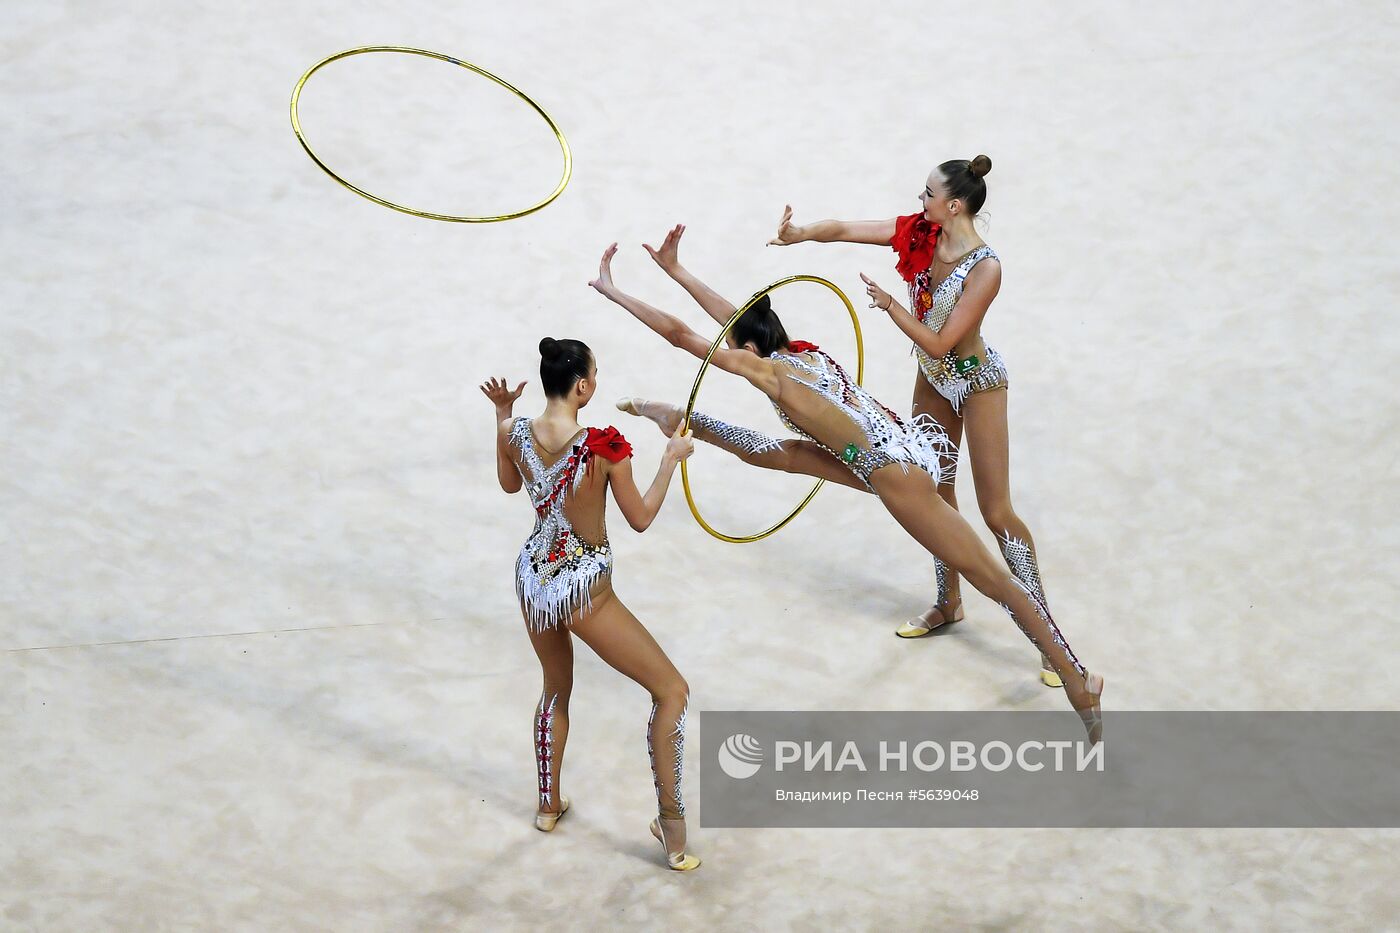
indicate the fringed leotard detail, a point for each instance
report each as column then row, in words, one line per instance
column 920, row 441
column 556, row 570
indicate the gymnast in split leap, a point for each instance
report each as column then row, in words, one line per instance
column 952, row 277
column 563, row 575
column 849, row 437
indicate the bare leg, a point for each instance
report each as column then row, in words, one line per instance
column 621, row 641
column 942, row 531
column 556, row 653
column 989, row 444
column 788, row 455
column 947, row 598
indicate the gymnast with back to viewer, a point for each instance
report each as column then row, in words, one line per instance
column 563, row 574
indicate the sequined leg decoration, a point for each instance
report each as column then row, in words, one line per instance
column 940, row 579
column 677, row 737
column 1021, row 559
column 651, row 752
column 740, row 441
column 678, row 744
column 544, row 748
column 947, row 474
column 1044, row 613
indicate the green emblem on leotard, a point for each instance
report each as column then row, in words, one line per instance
column 850, row 453
column 968, row 364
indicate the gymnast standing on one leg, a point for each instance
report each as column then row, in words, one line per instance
column 901, row 462
column 952, row 278
column 563, row 575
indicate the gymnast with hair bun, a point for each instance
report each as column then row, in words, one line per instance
column 850, row 437
column 563, row 575
column 952, row 278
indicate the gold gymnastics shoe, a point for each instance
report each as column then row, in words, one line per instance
column 1048, row 675
column 915, row 627
column 544, row 822
column 676, row 861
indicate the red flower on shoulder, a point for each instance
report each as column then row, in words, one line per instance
column 801, row 346
column 914, row 240
column 608, row 443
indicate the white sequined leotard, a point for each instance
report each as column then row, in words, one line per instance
column 556, row 570
column 954, row 379
column 920, row 442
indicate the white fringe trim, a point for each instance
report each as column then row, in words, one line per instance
column 549, row 605
column 925, row 444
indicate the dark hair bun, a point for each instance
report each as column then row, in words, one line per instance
column 980, row 166
column 563, row 363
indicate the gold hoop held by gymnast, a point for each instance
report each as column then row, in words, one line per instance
column 695, row 392
column 454, row 218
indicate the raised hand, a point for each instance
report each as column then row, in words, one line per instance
column 788, row 232
column 500, row 394
column 667, row 257
column 879, row 298
column 604, row 282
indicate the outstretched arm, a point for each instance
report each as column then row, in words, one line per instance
column 504, row 399
column 668, row 258
column 678, row 334
column 641, row 510
column 979, row 289
column 874, row 232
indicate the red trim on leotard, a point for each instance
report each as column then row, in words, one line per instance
column 914, row 240
column 608, row 443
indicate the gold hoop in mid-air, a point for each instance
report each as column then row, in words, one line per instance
column 695, row 392
column 454, row 218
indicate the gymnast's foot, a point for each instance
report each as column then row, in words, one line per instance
column 1090, row 708
column 666, row 417
column 671, row 835
column 934, row 617
column 546, row 819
